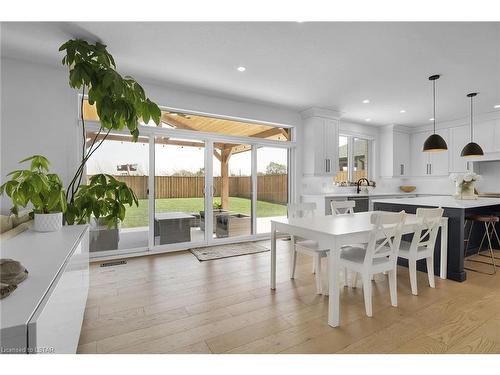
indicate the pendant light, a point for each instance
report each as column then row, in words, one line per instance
column 435, row 143
column 472, row 148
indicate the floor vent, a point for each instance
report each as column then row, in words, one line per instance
column 114, row 263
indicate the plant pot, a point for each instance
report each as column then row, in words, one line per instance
column 48, row 222
column 103, row 238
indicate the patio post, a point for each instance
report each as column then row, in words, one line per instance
column 224, row 171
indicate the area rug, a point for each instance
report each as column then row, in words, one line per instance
column 227, row 251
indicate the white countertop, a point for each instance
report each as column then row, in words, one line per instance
column 43, row 255
column 354, row 194
column 442, row 201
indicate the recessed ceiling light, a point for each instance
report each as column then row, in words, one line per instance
column 496, row 106
column 431, row 119
column 241, row 68
column 366, row 101
column 402, row 111
column 368, row 119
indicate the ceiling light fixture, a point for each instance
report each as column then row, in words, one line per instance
column 402, row 111
column 241, row 68
column 471, row 148
column 431, row 119
column 368, row 119
column 366, row 101
column 434, row 143
column 496, row 106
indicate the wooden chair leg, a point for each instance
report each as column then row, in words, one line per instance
column 412, row 268
column 430, row 271
column 346, row 282
column 367, row 292
column 317, row 263
column 313, row 267
column 393, row 288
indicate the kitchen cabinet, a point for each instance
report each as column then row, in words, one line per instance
column 321, row 137
column 395, row 153
column 459, row 136
column 429, row 163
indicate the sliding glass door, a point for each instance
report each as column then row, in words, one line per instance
column 127, row 161
column 179, row 198
column 232, row 190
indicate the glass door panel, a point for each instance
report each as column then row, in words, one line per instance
column 127, row 161
column 232, row 195
column 272, row 186
column 179, row 191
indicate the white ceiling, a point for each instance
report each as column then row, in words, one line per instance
column 299, row 65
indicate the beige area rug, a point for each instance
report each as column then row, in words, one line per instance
column 227, row 251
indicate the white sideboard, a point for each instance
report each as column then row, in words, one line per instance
column 45, row 313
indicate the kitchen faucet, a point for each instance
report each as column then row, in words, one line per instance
column 359, row 184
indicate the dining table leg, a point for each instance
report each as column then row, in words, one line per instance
column 273, row 256
column 334, row 287
column 443, row 267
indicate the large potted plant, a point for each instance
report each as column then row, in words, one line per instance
column 42, row 189
column 120, row 103
column 102, row 204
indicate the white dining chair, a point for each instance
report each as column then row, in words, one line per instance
column 342, row 207
column 305, row 246
column 379, row 255
column 422, row 245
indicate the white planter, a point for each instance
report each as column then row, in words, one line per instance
column 48, row 222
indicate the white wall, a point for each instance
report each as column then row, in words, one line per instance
column 39, row 114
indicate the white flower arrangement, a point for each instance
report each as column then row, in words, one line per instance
column 465, row 184
column 464, row 177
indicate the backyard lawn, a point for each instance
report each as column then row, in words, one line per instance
column 138, row 216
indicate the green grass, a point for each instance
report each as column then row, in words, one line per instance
column 138, row 216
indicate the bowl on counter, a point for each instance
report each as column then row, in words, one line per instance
column 407, row 188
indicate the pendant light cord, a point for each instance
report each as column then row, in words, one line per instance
column 471, row 125
column 434, row 104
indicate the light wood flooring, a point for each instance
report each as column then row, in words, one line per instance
column 172, row 303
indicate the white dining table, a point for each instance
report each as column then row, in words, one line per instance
column 333, row 232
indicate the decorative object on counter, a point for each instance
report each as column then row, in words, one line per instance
column 6, row 289
column 407, row 188
column 12, row 273
column 42, row 189
column 471, row 148
column 434, row 143
column 465, row 184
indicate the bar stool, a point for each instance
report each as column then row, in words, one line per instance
column 489, row 229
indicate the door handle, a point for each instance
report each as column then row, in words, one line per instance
column 402, row 166
column 430, row 168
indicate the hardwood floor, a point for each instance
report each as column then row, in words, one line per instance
column 172, row 303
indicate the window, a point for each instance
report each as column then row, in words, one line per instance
column 342, row 174
column 354, row 159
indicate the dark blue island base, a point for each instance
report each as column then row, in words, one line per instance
column 456, row 234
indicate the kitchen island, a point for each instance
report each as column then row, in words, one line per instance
column 456, row 211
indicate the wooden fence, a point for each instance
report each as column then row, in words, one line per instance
column 270, row 188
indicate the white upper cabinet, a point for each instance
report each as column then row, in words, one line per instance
column 429, row 163
column 394, row 153
column 459, row 137
column 321, row 136
column 419, row 159
column 484, row 135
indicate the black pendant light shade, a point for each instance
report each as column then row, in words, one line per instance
column 472, row 148
column 434, row 143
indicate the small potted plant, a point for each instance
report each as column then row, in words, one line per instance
column 102, row 204
column 42, row 189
